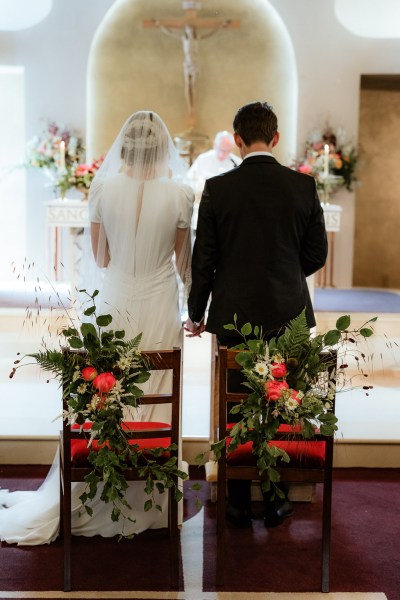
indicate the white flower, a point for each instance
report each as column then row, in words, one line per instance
column 261, row 368
column 291, row 404
column 76, row 375
column 81, row 389
column 117, row 390
column 93, row 404
column 124, row 363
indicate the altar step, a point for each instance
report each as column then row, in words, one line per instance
column 40, row 450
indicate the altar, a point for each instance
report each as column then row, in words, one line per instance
column 332, row 214
column 66, row 221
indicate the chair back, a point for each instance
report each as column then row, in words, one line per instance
column 311, row 461
column 145, row 434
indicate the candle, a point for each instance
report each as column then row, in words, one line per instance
column 326, row 160
column 62, row 155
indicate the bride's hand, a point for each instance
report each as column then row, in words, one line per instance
column 195, row 329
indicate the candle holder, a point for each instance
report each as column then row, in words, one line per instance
column 327, row 185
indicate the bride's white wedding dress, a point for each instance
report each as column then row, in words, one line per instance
column 140, row 290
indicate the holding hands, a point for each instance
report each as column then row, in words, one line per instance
column 195, row 329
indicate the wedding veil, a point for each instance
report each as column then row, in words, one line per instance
column 144, row 154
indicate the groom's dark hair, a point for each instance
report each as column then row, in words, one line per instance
column 256, row 122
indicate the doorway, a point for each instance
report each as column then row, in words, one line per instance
column 377, row 221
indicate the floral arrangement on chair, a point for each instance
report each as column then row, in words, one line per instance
column 291, row 381
column 100, row 372
column 330, row 159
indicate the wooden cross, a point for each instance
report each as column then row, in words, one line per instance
column 187, row 29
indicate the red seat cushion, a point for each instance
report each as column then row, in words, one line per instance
column 80, row 450
column 302, row 453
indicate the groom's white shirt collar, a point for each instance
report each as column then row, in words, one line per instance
column 257, row 154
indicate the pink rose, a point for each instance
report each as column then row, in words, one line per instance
column 305, row 169
column 273, row 389
column 82, row 169
column 89, row 373
column 104, row 382
column 278, row 370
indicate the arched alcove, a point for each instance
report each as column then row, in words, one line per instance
column 132, row 68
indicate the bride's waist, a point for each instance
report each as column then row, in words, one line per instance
column 142, row 280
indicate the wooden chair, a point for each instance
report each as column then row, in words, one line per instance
column 311, row 462
column 71, row 471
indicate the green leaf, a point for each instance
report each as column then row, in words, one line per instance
column 178, row 495
column 366, row 332
column 256, row 330
column 89, row 311
column 201, row 459
column 332, row 337
column 88, row 328
column 246, row 329
column 343, row 322
column 229, row 326
column 148, row 505
column 70, row 331
column 75, row 342
column 103, row 320
column 196, row 487
column 273, row 475
column 119, row 334
column 244, row 359
column 255, row 346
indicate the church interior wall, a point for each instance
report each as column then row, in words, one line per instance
column 128, row 66
column 329, row 61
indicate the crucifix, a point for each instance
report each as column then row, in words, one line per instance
column 188, row 28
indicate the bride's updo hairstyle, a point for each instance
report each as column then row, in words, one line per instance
column 144, row 150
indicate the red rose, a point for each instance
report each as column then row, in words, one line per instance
column 88, row 373
column 278, row 370
column 273, row 389
column 104, row 382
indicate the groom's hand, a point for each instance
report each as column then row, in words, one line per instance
column 195, row 329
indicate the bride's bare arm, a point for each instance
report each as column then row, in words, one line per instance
column 183, row 252
column 99, row 244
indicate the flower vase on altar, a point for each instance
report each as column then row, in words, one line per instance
column 83, row 191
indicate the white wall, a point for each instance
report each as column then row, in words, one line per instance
column 330, row 61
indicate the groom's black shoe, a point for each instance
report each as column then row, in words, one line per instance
column 241, row 517
column 275, row 515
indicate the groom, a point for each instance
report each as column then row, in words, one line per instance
column 260, row 233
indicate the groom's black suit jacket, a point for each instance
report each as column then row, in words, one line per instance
column 260, row 232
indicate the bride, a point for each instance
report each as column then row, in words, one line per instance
column 140, row 215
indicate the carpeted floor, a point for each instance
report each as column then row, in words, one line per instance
column 365, row 555
column 356, row 300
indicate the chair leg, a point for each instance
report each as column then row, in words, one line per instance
column 67, row 535
column 326, row 533
column 221, row 500
column 174, row 539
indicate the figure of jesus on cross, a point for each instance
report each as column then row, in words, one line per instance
column 187, row 29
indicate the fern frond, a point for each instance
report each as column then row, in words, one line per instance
column 49, row 360
column 297, row 333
